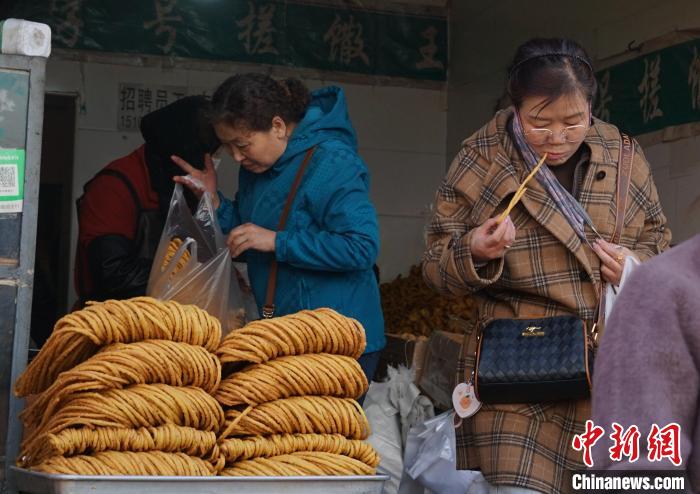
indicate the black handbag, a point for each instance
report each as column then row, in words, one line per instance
column 550, row 359
column 533, row 360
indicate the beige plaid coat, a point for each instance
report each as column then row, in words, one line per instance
column 548, row 271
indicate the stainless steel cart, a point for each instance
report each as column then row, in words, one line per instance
column 42, row 483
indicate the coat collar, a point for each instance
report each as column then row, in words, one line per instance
column 603, row 141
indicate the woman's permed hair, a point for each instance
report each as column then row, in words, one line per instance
column 550, row 68
column 252, row 100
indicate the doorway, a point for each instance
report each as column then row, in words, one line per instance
column 52, row 262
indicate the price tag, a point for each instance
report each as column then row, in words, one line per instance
column 464, row 400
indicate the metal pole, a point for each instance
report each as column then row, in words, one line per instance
column 20, row 275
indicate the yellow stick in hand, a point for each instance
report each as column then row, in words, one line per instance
column 521, row 190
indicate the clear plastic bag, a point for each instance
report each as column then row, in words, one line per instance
column 430, row 460
column 611, row 292
column 192, row 264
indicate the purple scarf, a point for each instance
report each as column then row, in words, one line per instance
column 566, row 203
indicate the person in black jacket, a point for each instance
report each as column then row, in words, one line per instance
column 123, row 209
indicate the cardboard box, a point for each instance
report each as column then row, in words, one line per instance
column 406, row 350
column 440, row 367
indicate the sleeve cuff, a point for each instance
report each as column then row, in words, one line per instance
column 281, row 246
column 481, row 273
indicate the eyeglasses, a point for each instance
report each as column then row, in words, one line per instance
column 573, row 133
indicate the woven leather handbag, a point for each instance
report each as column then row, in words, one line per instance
column 533, row 360
column 549, row 359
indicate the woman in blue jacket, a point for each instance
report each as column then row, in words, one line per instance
column 330, row 243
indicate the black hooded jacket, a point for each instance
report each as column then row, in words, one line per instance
column 123, row 208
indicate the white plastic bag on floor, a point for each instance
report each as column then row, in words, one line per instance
column 392, row 407
column 413, row 407
column 430, row 460
column 384, row 423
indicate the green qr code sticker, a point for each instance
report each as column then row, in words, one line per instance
column 9, row 181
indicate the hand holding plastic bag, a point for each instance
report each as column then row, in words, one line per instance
column 192, row 264
column 611, row 291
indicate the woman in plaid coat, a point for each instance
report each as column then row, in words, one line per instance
column 546, row 258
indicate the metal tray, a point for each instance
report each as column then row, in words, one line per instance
column 25, row 481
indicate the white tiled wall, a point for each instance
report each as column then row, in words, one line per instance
column 676, row 168
column 401, row 133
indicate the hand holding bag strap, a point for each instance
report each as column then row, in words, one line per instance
column 624, row 176
column 269, row 307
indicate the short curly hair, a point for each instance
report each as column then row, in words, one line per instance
column 252, row 100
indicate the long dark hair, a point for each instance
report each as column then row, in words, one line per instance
column 252, row 100
column 550, row 68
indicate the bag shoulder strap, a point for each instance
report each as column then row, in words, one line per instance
column 134, row 195
column 121, row 176
column 624, row 175
column 269, row 307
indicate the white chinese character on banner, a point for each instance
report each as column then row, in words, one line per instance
column 257, row 30
column 164, row 11
column 694, row 80
column 346, row 41
column 429, row 50
column 649, row 89
column 68, row 24
column 604, row 98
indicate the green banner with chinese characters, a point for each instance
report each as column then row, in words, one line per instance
column 652, row 92
column 272, row 32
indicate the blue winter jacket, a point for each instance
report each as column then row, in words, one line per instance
column 331, row 240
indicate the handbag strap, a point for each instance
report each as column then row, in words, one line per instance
column 624, row 176
column 268, row 309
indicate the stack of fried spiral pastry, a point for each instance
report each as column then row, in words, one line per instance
column 304, row 414
column 299, row 463
column 168, row 438
column 246, row 448
column 292, row 410
column 119, row 365
column 79, row 335
column 135, row 387
column 125, row 389
column 308, row 331
column 129, row 463
column 312, row 374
